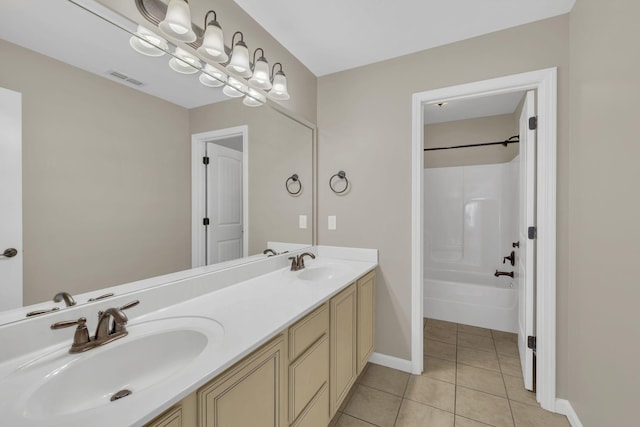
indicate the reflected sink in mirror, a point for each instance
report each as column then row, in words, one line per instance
column 153, row 352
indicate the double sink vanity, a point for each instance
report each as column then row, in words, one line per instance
column 258, row 344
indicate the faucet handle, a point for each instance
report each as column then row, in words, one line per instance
column 81, row 339
column 294, row 263
column 130, row 305
column 67, row 323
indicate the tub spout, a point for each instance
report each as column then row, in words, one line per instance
column 503, row 273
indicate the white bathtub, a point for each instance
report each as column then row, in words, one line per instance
column 472, row 299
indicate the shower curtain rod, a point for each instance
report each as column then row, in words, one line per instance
column 513, row 140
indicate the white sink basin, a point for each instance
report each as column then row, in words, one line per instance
column 151, row 353
column 321, row 270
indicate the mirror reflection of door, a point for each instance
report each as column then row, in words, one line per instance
column 224, row 233
column 10, row 199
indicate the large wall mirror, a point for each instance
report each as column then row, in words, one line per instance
column 114, row 183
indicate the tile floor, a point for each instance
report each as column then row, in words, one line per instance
column 471, row 378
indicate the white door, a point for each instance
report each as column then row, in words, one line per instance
column 10, row 199
column 224, row 204
column 526, row 253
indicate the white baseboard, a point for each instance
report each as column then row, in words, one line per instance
column 391, row 362
column 564, row 407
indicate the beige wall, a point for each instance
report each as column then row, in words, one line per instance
column 106, row 178
column 364, row 120
column 278, row 148
column 604, row 320
column 470, row 131
column 301, row 82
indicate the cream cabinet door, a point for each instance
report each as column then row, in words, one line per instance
column 251, row 394
column 182, row 415
column 366, row 318
column 343, row 315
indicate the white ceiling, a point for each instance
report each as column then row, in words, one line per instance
column 472, row 108
column 334, row 35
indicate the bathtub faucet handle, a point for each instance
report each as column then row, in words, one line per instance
column 511, row 258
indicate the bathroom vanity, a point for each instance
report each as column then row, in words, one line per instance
column 273, row 348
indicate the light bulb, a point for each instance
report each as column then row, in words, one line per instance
column 217, row 80
column 184, row 62
column 279, row 90
column 148, row 43
column 254, row 99
column 234, row 89
column 260, row 78
column 177, row 22
column 213, row 43
column 240, row 60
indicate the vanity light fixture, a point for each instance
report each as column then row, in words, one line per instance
column 148, row 43
column 212, row 77
column 239, row 63
column 254, row 98
column 213, row 41
column 177, row 22
column 261, row 77
column 279, row 91
column 184, row 62
column 234, row 88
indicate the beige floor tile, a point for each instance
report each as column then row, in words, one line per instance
column 439, row 349
column 481, row 380
column 385, row 379
column 373, row 406
column 531, row 416
column 440, row 369
column 508, row 348
column 431, row 392
column 510, row 365
column 440, row 334
column 517, row 392
column 414, row 414
column 483, row 407
column 478, row 358
column 442, row 324
column 476, row 341
column 349, row 421
column 504, row 336
column 466, row 422
column 467, row 329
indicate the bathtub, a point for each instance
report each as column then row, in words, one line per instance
column 472, row 299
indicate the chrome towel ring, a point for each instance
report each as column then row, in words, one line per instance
column 340, row 175
column 293, row 179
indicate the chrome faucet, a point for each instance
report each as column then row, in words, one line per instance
column 66, row 296
column 297, row 263
column 503, row 273
column 105, row 333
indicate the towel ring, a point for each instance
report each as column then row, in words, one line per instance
column 341, row 175
column 293, row 178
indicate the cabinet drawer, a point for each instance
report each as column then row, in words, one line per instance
column 307, row 376
column 307, row 331
column 317, row 413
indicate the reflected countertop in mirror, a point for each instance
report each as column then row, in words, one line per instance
column 109, row 162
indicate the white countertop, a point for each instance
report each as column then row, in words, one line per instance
column 250, row 312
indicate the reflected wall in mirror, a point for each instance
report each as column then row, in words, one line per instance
column 107, row 168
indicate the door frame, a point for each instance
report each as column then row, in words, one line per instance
column 198, row 188
column 545, row 83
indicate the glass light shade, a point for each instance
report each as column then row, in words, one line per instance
column 207, row 80
column 240, row 60
column 234, row 89
column 177, row 22
column 213, row 44
column 254, row 99
column 148, row 43
column 184, row 62
column 261, row 78
column 279, row 91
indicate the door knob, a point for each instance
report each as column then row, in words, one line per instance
column 9, row 253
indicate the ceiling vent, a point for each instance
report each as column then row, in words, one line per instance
column 125, row 78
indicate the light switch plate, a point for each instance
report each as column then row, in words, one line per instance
column 302, row 220
column 332, row 222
